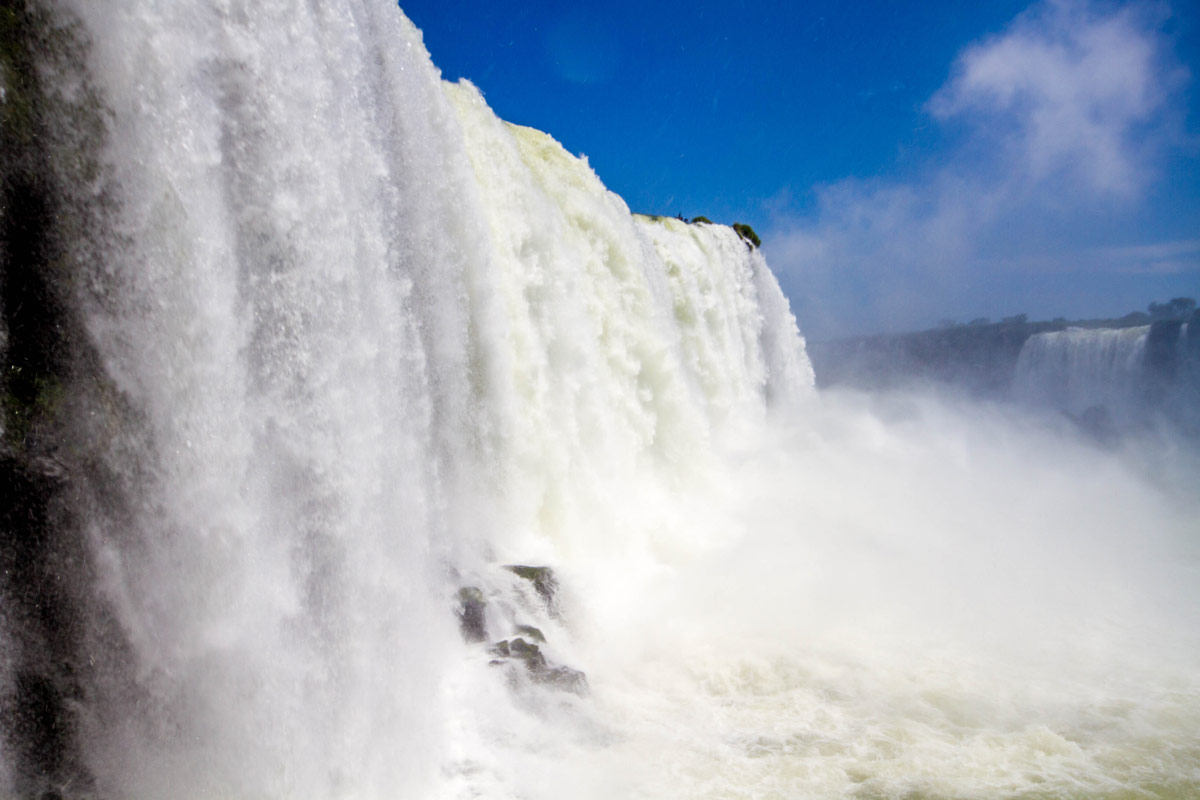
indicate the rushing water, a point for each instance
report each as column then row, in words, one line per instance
column 1115, row 379
column 1077, row 369
column 362, row 344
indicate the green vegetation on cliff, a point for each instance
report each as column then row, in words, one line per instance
column 747, row 233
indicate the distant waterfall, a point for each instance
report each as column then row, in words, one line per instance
column 1124, row 376
column 1080, row 368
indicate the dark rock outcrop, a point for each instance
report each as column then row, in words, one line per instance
column 63, row 420
column 564, row 679
column 538, row 669
column 544, row 583
column 531, row 632
column 472, row 622
column 527, row 652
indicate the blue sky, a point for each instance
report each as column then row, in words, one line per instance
column 902, row 164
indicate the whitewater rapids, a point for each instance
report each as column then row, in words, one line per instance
column 360, row 344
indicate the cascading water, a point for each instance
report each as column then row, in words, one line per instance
column 1079, row 368
column 289, row 333
column 1115, row 378
column 320, row 346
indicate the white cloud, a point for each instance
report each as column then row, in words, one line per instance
column 1073, row 88
column 1059, row 123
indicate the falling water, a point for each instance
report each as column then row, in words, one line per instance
column 1080, row 368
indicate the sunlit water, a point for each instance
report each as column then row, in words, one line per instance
column 383, row 343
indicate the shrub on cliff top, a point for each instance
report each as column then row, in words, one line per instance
column 747, row 233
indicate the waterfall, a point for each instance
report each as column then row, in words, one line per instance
column 1118, row 377
column 358, row 334
column 1081, row 368
column 360, row 444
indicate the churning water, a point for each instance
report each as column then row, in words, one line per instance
column 361, row 344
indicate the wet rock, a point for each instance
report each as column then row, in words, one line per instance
column 539, row 670
column 529, row 653
column 519, row 647
column 471, row 619
column 531, row 632
column 543, row 580
column 564, row 678
column 524, row 647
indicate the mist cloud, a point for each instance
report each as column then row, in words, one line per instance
column 1055, row 127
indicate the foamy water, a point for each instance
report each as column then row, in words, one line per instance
column 907, row 598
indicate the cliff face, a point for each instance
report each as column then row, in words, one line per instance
column 54, row 457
